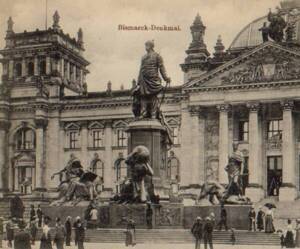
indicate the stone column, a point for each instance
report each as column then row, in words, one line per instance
column 108, row 165
column 48, row 65
column 62, row 67
column 254, row 190
column 11, row 69
column 68, row 70
column 24, row 71
column 223, row 142
column 41, row 124
column 195, row 145
column 84, row 145
column 36, row 66
column 4, row 128
column 81, row 76
column 288, row 190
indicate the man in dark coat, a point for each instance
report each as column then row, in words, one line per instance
column 39, row 214
column 9, row 233
column 32, row 213
column 223, row 218
column 22, row 238
column 68, row 228
column 208, row 233
column 149, row 214
column 80, row 235
column 252, row 216
column 197, row 231
column 75, row 225
column 17, row 207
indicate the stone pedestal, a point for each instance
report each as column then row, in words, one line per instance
column 254, row 193
column 150, row 133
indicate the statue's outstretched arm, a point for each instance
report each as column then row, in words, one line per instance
column 162, row 70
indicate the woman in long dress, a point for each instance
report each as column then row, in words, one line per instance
column 130, row 234
column 269, row 227
column 46, row 242
column 289, row 236
column 297, row 240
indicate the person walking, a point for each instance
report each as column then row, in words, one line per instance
column 22, row 238
column 130, row 233
column 46, row 240
column 80, row 235
column 251, row 217
column 223, row 218
column 94, row 218
column 32, row 213
column 75, row 224
column 68, row 229
column 39, row 214
column 197, row 231
column 1, row 230
column 149, row 214
column 232, row 236
column 297, row 240
column 208, row 233
column 9, row 233
column 289, row 241
column 269, row 226
column 33, row 230
column 60, row 233
column 260, row 219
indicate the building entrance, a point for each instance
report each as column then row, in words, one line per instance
column 274, row 175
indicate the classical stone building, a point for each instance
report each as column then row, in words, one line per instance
column 249, row 93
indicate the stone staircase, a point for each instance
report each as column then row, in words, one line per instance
column 179, row 236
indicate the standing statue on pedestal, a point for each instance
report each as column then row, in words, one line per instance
column 145, row 101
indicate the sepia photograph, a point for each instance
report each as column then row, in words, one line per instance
column 149, row 124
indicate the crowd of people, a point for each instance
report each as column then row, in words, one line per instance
column 290, row 237
column 22, row 234
column 263, row 220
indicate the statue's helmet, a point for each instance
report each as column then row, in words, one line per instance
column 150, row 43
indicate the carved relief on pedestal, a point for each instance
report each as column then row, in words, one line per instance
column 121, row 214
column 168, row 216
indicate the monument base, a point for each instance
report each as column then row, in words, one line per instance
column 165, row 215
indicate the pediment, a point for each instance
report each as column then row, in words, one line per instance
column 269, row 62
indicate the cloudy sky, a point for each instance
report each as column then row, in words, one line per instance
column 115, row 55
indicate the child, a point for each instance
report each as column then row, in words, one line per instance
column 232, row 236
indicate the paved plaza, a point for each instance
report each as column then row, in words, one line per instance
column 158, row 246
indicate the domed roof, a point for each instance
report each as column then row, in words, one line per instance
column 250, row 35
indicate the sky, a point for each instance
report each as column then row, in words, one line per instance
column 114, row 54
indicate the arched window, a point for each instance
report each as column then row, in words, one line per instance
column 97, row 167
column 120, row 171
column 18, row 68
column 25, row 139
column 30, row 68
column 173, row 170
column 42, row 67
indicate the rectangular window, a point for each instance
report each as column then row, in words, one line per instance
column 73, row 139
column 244, row 131
column 97, row 139
column 275, row 129
column 121, row 138
column 175, row 134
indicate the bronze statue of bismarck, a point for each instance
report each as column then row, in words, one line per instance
column 145, row 101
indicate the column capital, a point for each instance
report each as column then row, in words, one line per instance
column 4, row 125
column 41, row 123
column 253, row 106
column 287, row 104
column 194, row 110
column 223, row 107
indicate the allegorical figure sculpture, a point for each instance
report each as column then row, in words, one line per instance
column 138, row 187
column 215, row 193
column 75, row 183
column 149, row 85
column 277, row 26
